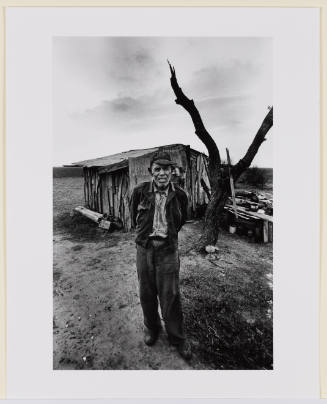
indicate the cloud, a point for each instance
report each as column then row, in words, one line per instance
column 231, row 78
column 228, row 111
column 117, row 88
column 121, row 112
column 124, row 104
column 132, row 65
column 125, row 113
column 119, row 108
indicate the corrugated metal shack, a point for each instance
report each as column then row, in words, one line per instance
column 109, row 181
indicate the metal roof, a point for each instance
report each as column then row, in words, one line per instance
column 118, row 157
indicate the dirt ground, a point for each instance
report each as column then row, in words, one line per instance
column 97, row 319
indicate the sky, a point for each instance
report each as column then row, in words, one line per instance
column 113, row 94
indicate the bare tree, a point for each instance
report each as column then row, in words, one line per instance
column 218, row 177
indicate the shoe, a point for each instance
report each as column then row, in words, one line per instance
column 185, row 350
column 150, row 336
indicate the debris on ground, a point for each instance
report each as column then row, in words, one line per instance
column 211, row 249
column 104, row 221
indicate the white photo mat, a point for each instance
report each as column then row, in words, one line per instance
column 295, row 32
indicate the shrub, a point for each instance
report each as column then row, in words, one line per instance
column 255, row 176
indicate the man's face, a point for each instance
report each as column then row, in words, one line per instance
column 161, row 175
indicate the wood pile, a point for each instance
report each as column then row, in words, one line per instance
column 254, row 202
column 253, row 215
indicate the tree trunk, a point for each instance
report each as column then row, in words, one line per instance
column 219, row 181
column 212, row 217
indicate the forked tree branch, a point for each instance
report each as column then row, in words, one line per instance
column 200, row 129
column 259, row 138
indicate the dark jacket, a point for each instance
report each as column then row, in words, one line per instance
column 142, row 206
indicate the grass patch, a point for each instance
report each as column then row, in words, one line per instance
column 78, row 228
column 228, row 317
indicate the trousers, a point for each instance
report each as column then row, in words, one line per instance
column 158, row 276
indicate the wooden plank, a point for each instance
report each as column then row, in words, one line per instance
column 89, row 186
column 97, row 207
column 199, row 169
column 183, row 158
column 255, row 214
column 114, row 195
column 188, row 187
column 231, row 180
column 91, row 189
column 84, row 188
column 94, row 189
column 116, row 178
column 270, row 231
column 119, row 193
column 86, row 182
column 188, row 177
column 124, row 190
column 111, row 194
column 241, row 214
column 94, row 216
column 265, row 231
column 193, row 182
column 127, row 216
column 104, row 193
column 98, row 195
column 109, row 201
column 125, row 195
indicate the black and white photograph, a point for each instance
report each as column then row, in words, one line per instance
column 162, row 203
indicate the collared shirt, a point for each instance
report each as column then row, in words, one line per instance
column 142, row 207
column 160, row 225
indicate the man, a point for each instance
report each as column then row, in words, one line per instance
column 158, row 211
